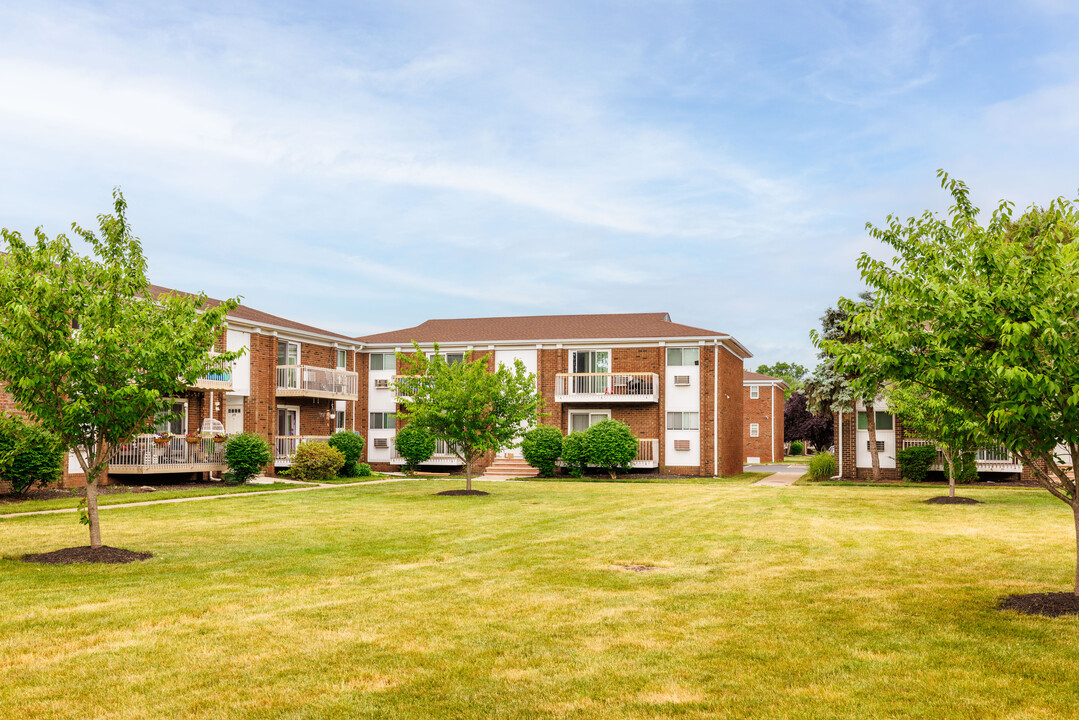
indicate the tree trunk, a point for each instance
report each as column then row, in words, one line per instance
column 1075, row 514
column 91, row 512
column 949, row 458
column 871, row 425
column 468, row 475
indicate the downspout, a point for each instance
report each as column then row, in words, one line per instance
column 715, row 408
column 840, row 475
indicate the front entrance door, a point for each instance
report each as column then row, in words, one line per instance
column 234, row 416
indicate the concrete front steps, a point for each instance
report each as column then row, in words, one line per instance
column 504, row 468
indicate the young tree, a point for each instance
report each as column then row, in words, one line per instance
column 836, row 388
column 474, row 410
column 791, row 373
column 87, row 351
column 800, row 424
column 933, row 417
column 987, row 316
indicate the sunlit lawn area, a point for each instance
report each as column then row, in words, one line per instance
column 386, row 601
column 121, row 499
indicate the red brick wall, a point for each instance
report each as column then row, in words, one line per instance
column 761, row 411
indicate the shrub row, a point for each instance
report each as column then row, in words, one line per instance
column 609, row 444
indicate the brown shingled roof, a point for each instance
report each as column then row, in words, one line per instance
column 253, row 316
column 752, row 377
column 622, row 326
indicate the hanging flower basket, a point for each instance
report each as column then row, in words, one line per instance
column 220, row 437
column 193, row 439
column 162, row 439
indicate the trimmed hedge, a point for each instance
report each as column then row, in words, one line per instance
column 612, row 446
column 351, row 446
column 316, row 461
column 575, row 453
column 914, row 462
column 246, row 455
column 29, row 454
column 541, row 447
column 797, row 447
column 416, row 445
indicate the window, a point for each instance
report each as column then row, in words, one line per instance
column 383, row 421
column 590, row 361
column 383, row 361
column 754, row 392
column 884, row 421
column 754, row 430
column 455, row 358
column 177, row 425
column 682, row 420
column 683, row 356
column 342, row 356
column 288, row 353
column 581, row 421
column 340, row 424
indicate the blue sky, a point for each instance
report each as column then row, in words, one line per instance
column 366, row 166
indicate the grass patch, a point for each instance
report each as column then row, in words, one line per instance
column 797, row 459
column 743, row 478
column 547, row 600
column 124, row 498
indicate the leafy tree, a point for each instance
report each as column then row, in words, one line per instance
column 85, row 349
column 416, row 445
column 611, row 445
column 934, row 417
column 246, row 454
column 988, row 317
column 473, row 409
column 838, row 388
column 29, row 454
column 541, row 447
column 791, row 373
column 800, row 424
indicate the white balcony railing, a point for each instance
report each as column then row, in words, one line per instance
column 647, row 453
column 986, row 459
column 285, row 446
column 219, row 378
column 606, row 387
column 442, row 455
column 317, row 382
column 147, row 454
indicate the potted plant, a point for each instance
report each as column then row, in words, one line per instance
column 193, row 438
column 220, row 438
column 162, row 439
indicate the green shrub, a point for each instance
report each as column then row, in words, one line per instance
column 611, row 445
column 29, row 454
column 316, row 461
column 363, row 470
column 966, row 471
column 575, row 453
column 246, row 455
column 541, row 447
column 797, row 447
column 416, row 445
column 822, row 466
column 351, row 446
column 914, row 462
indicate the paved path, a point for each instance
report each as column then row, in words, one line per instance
column 784, row 475
column 309, row 487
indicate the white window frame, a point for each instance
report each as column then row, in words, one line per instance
column 681, row 414
column 754, row 392
column 610, row 357
column 289, row 343
column 371, row 363
column 754, row 430
column 587, row 413
column 681, row 357
column 382, row 425
column 342, row 359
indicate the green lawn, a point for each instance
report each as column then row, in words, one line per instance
column 744, row 478
column 385, row 601
column 121, row 499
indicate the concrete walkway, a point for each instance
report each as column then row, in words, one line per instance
column 308, row 487
column 784, row 475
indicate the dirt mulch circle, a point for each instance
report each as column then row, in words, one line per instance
column 463, row 492
column 945, row 500
column 1047, row 604
column 86, row 554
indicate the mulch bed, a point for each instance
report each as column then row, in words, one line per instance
column 119, row 489
column 462, row 492
column 86, row 554
column 1047, row 604
column 946, row 500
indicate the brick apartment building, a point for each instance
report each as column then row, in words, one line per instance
column 676, row 386
column 762, row 431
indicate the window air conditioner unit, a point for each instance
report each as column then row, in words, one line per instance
column 681, row 445
column 380, row 443
column 681, row 379
column 382, row 384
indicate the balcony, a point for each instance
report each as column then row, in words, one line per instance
column 285, row 447
column 149, row 455
column 607, row 387
column 219, row 378
column 316, row 382
column 985, row 460
column 441, row 456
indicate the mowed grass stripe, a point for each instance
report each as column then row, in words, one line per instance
column 387, row 601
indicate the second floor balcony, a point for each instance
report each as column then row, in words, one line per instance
column 316, row 382
column 607, row 387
